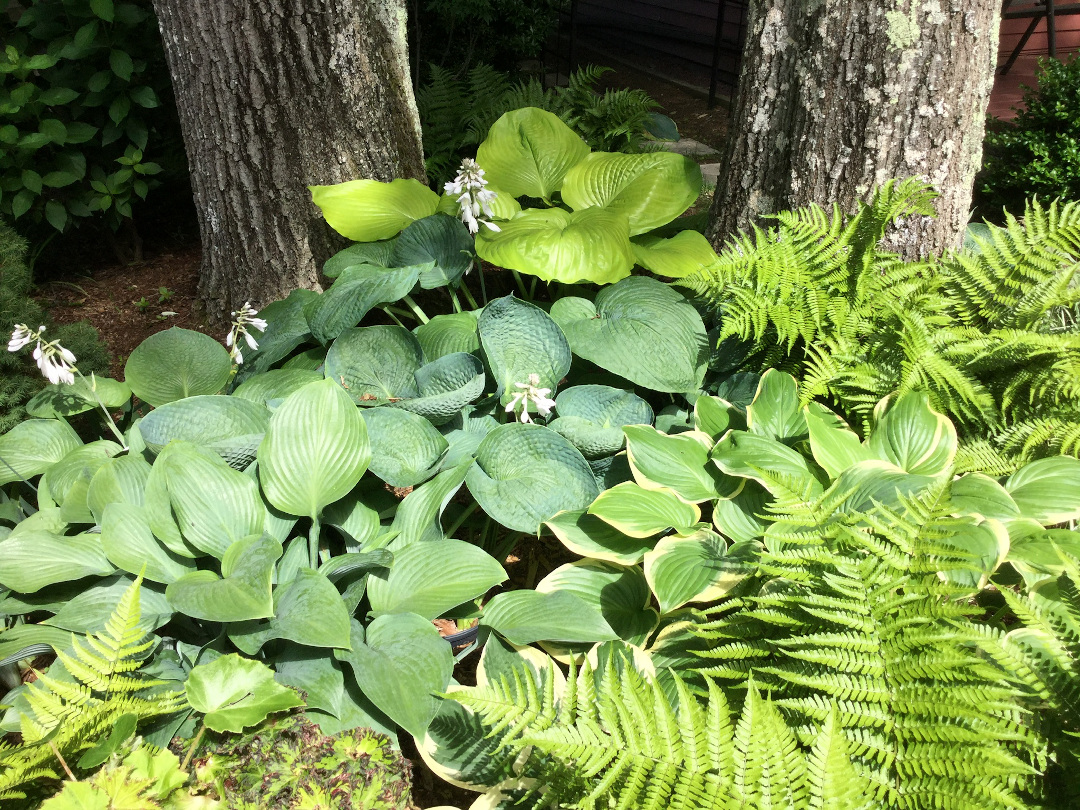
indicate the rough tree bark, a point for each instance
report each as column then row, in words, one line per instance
column 836, row 97
column 276, row 95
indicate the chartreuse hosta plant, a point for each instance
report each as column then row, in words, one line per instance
column 549, row 207
column 771, row 550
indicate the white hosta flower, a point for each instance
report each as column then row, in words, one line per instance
column 530, row 392
column 473, row 199
column 242, row 319
column 54, row 361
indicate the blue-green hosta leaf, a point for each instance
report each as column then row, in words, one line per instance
column 444, row 387
column 419, row 515
column 367, row 210
column 36, row 559
column 650, row 189
column 308, row 610
column 356, row 519
column 684, row 254
column 913, row 436
column 592, row 417
column 441, row 244
column 429, row 579
column 1047, row 490
column 311, row 359
column 175, row 364
column 525, row 617
column 120, row 480
column 242, row 592
column 611, row 471
column 619, row 592
column 234, row 693
column 679, row 463
column 90, row 609
column 275, row 384
column 375, row 364
column 639, row 329
column 376, row 253
column 68, row 481
column 355, row 293
column 642, row 513
column 406, row 449
column 58, row 401
column 129, row 544
column 214, row 505
column 230, row 426
column 697, row 567
column 775, row 411
column 464, row 432
column 401, row 666
column 591, row 537
column 314, row 673
column 527, row 153
column 448, row 334
column 592, row 245
column 31, row 447
column 525, row 474
column 779, row 468
column 520, row 339
column 834, row 445
column 315, row 451
column 286, row 329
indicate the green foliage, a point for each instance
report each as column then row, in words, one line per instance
column 81, row 89
column 987, row 331
column 619, row 739
column 456, row 113
column 19, row 379
column 145, row 779
column 1038, row 152
column 289, row 763
column 68, row 716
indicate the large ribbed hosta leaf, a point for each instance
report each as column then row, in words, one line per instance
column 230, row 426
column 375, row 364
column 684, row 254
column 639, row 329
column 177, row 363
column 315, row 451
column 445, row 386
column 357, row 290
column 650, row 189
column 520, row 339
column 527, row 152
column 31, row 447
column 367, row 210
column 441, row 244
column 592, row 417
column 619, row 592
column 525, row 474
column 406, row 449
column 447, row 334
column 590, row 245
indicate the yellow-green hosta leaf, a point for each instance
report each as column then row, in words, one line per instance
column 175, row 364
column 35, row 559
column 987, row 543
column 619, row 592
column 684, row 254
column 715, row 416
column 591, row 537
column 130, row 545
column 31, row 447
column 834, row 445
column 913, row 436
column 640, row 512
column 679, row 463
column 1047, row 490
column 243, row 590
column 697, row 567
column 120, row 480
column 418, row 516
column 650, row 189
column 776, row 466
column 527, row 153
column 431, row 578
column 526, row 474
column 979, row 495
column 525, row 617
column 591, row 245
column 640, row 329
column 775, row 410
column 367, row 210
column 315, row 450
column 504, row 206
column 68, row 481
column 740, row 518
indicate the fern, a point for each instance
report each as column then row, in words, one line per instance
column 617, row 739
column 860, row 620
column 69, row 716
column 988, row 333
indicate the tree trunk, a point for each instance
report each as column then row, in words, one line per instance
column 274, row 96
column 837, row 97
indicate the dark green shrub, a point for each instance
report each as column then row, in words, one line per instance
column 1038, row 154
column 19, row 377
column 82, row 84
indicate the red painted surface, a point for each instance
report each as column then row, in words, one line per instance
column 1007, row 89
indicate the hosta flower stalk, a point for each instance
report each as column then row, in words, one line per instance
column 243, row 318
column 530, row 392
column 472, row 196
